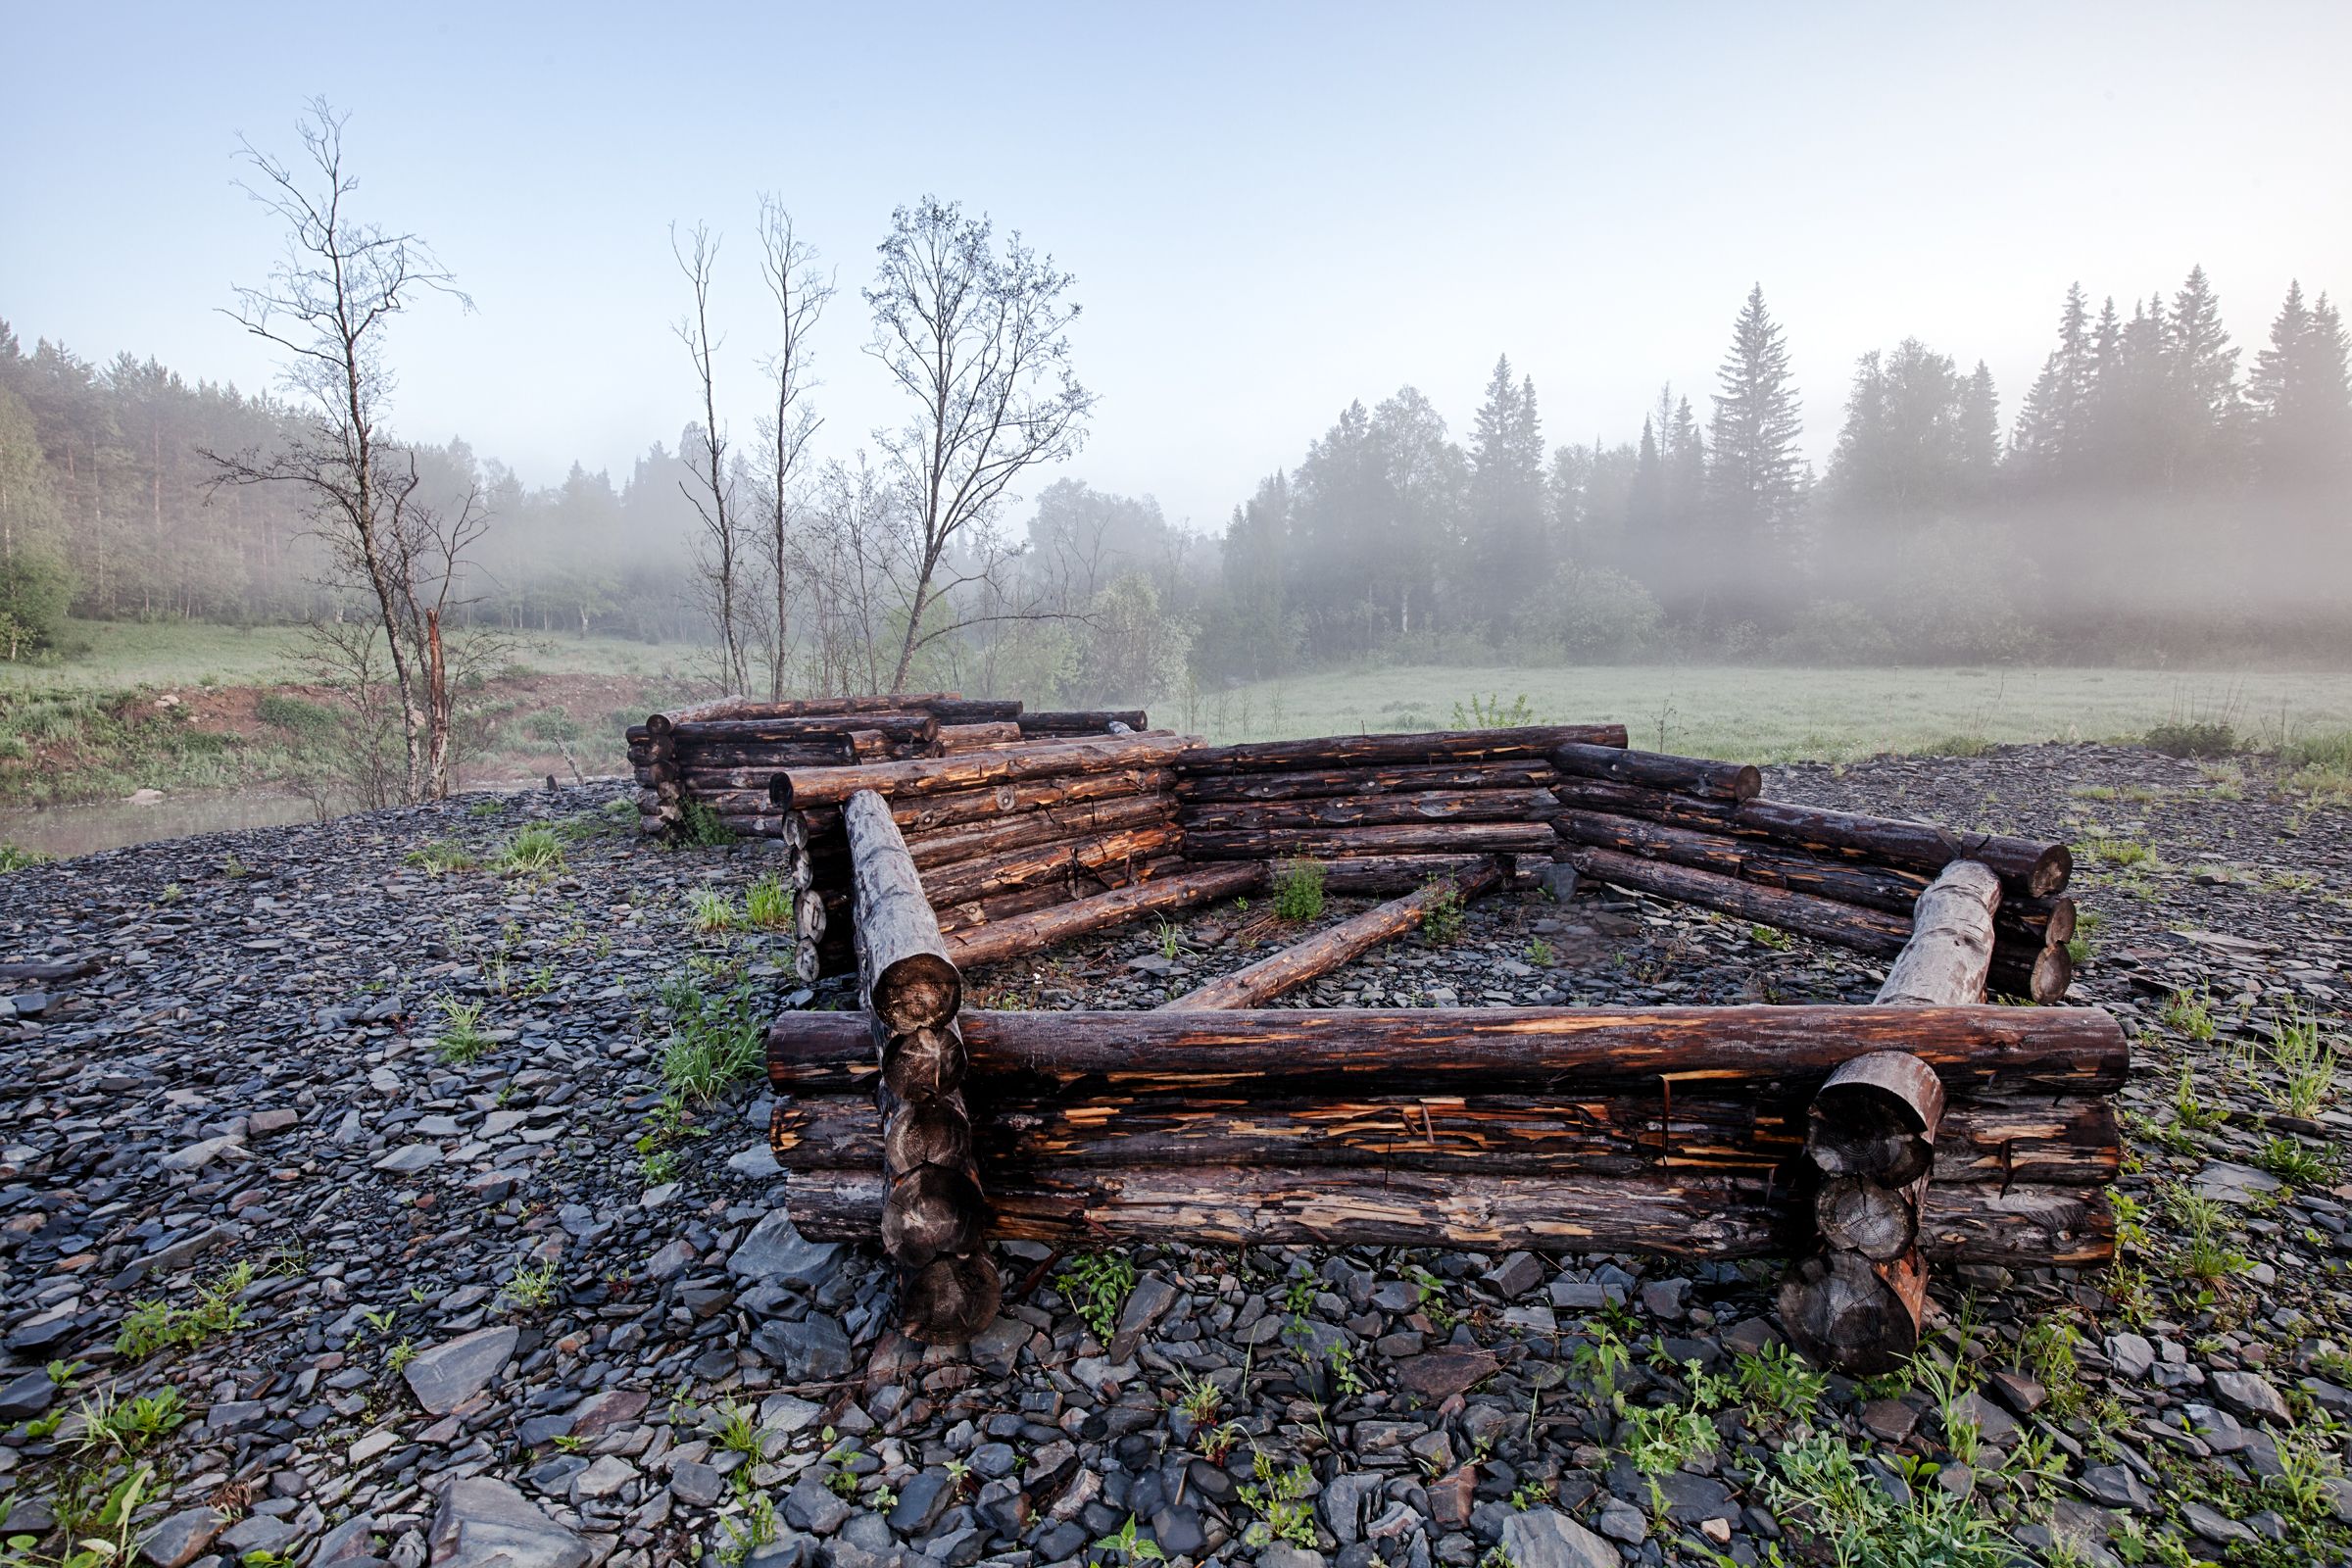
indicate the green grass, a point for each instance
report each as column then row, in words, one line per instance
column 531, row 850
column 769, row 903
column 157, row 1325
column 714, row 1032
column 1772, row 714
column 1299, row 890
column 462, row 1040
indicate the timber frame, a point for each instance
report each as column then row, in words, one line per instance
column 925, row 836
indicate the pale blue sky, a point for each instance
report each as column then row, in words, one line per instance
column 1271, row 209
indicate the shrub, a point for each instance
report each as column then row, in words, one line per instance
column 304, row 720
column 14, row 858
column 35, row 587
column 552, row 726
column 2193, row 738
column 532, row 850
column 1298, row 891
column 1836, row 631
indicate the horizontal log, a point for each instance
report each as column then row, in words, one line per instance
column 1266, row 843
column 968, row 710
column 1986, row 1051
column 1395, row 873
column 1393, row 779
column 2019, row 922
column 832, row 753
column 2051, row 1142
column 920, row 815
column 897, row 727
column 962, row 916
column 1047, row 826
column 1694, row 1214
column 731, row 802
column 1082, row 721
column 662, row 723
column 1253, row 985
column 2040, row 974
column 2028, row 867
column 1063, row 860
column 1000, row 940
column 954, row 738
column 939, row 775
column 1338, row 810
column 1683, row 775
column 1532, row 743
column 1847, row 925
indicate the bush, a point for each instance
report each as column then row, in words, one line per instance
column 552, row 726
column 2193, row 738
column 35, row 587
column 1835, row 631
column 1591, row 613
column 304, row 720
column 1298, row 891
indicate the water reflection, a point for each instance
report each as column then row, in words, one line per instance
column 68, row 830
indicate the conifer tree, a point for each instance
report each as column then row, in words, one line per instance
column 1506, row 526
column 1754, row 471
column 2300, row 402
column 1979, row 431
column 2052, row 434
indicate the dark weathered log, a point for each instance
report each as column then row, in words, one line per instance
column 725, row 801
column 815, row 751
column 1000, row 940
column 1682, row 775
column 1856, row 1215
column 938, row 775
column 932, row 1210
column 930, row 1131
column 1843, row 1311
column 1944, row 963
column 1694, row 1214
column 924, row 1064
column 752, row 825
column 921, row 816
column 954, row 738
column 968, row 710
column 1253, row 985
column 1532, row 743
column 1047, row 826
column 1752, row 1128
column 950, row 1299
column 1271, row 844
column 751, row 777
column 1395, row 873
column 1988, row 1051
column 912, row 983
column 1061, row 861
column 1826, row 920
column 1877, row 1117
column 656, row 725
column 1391, row 779
column 918, row 727
column 963, row 916
column 2041, row 975
column 2028, row 867
column 1082, row 721
column 1428, row 805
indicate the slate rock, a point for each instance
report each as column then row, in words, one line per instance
column 26, row 1396
column 1438, row 1375
column 811, row 1506
column 1545, row 1538
column 696, row 1483
column 775, row 1254
column 2130, row 1354
column 456, row 1370
column 178, row 1539
column 809, row 1349
column 2251, row 1394
column 483, row 1523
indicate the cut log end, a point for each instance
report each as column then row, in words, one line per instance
column 931, row 1212
column 918, row 991
column 924, row 1064
column 1845, row 1312
column 927, row 1132
column 1858, row 1214
column 948, row 1301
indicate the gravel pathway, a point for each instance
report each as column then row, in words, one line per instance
column 343, row 1202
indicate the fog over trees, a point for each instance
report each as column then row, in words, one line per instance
column 2158, row 491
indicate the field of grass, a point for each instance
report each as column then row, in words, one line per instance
column 115, row 656
column 1776, row 714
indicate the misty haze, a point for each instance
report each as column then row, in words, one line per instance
column 654, row 667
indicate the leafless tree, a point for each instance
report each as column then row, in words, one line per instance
column 788, row 265
column 978, row 338
column 327, row 306
column 719, row 551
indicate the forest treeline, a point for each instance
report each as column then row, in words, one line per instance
column 2157, row 493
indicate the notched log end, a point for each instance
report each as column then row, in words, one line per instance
column 950, row 1301
column 930, row 1212
column 918, row 991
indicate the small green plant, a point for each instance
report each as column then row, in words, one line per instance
column 462, row 1041
column 2305, row 1061
column 1842, row 1516
column 2298, row 1163
column 1430, row 1299
column 1129, row 1547
column 1661, row 1439
column 1200, row 1398
column 2120, row 853
column 739, row 1430
column 2305, row 1467
column 660, row 1167
column 532, row 1289
column 1343, row 1374
column 1442, row 913
column 1539, row 953
column 234, row 868
column 130, row 1426
column 568, row 1443
column 1493, row 713
column 1779, row 1384
column 700, row 828
column 1275, row 1497
column 1172, row 944
column 442, row 857
column 399, row 1356
column 532, row 851
column 2189, row 1013
column 710, row 911
column 487, row 806
column 714, row 1032
column 1772, row 937
column 1096, row 1285
column 1217, row 1443
column 14, row 858
column 757, row 1528
column 155, row 1325
column 2188, row 1112
column 1601, row 1359
column 2193, row 738
column 1299, row 890
column 2047, row 1351
column 767, row 906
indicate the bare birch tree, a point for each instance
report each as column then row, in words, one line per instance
column 328, row 307
column 978, row 338
column 720, row 549
column 788, row 265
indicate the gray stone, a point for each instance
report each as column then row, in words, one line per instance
column 2230, row 1183
column 196, row 1155
column 1992, row 1423
column 1545, row 1538
column 1281, row 1554
column 604, row 1478
column 259, row 1531
column 2251, row 1394
column 1620, row 1520
column 775, row 1254
column 349, row 1545
column 455, row 1371
column 1153, row 1296
column 2117, row 1486
column 1346, row 1501
column 26, row 1396
column 2218, row 1428
column 696, row 1483
column 811, row 1507
column 2216, row 1527
column 1515, row 1275
column 922, row 1500
column 481, row 1523
column 2130, row 1354
column 809, row 1348
column 410, row 1158
column 1663, row 1299
column 179, row 1538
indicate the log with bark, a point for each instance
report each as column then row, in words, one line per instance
column 1532, row 743
column 1278, row 843
column 920, row 815
column 1256, row 984
column 1309, row 783
column 1082, row 721
column 968, row 710
column 2029, row 867
column 1049, row 824
column 1680, row 775
column 933, row 1216
column 1017, row 936
column 954, row 738
column 895, row 727
column 1063, row 860
column 1079, row 884
column 940, row 776
column 1521, row 805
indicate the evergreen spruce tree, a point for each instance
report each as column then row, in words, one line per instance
column 1504, row 532
column 2300, row 403
column 1980, row 433
column 2206, row 423
column 1755, row 472
column 2052, row 434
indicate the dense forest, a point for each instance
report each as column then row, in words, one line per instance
column 2157, row 494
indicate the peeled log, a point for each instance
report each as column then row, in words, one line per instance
column 954, row 918
column 919, row 816
column 1944, row 963
column 937, row 775
column 954, row 738
column 1029, row 828
column 1682, row 775
column 1395, row 873
column 1326, row 949
column 912, row 981
column 1843, row 1311
column 1000, row 940
column 1532, row 743
column 1996, row 1051
column 1062, row 862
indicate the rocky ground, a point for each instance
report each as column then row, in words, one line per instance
column 353, row 1209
